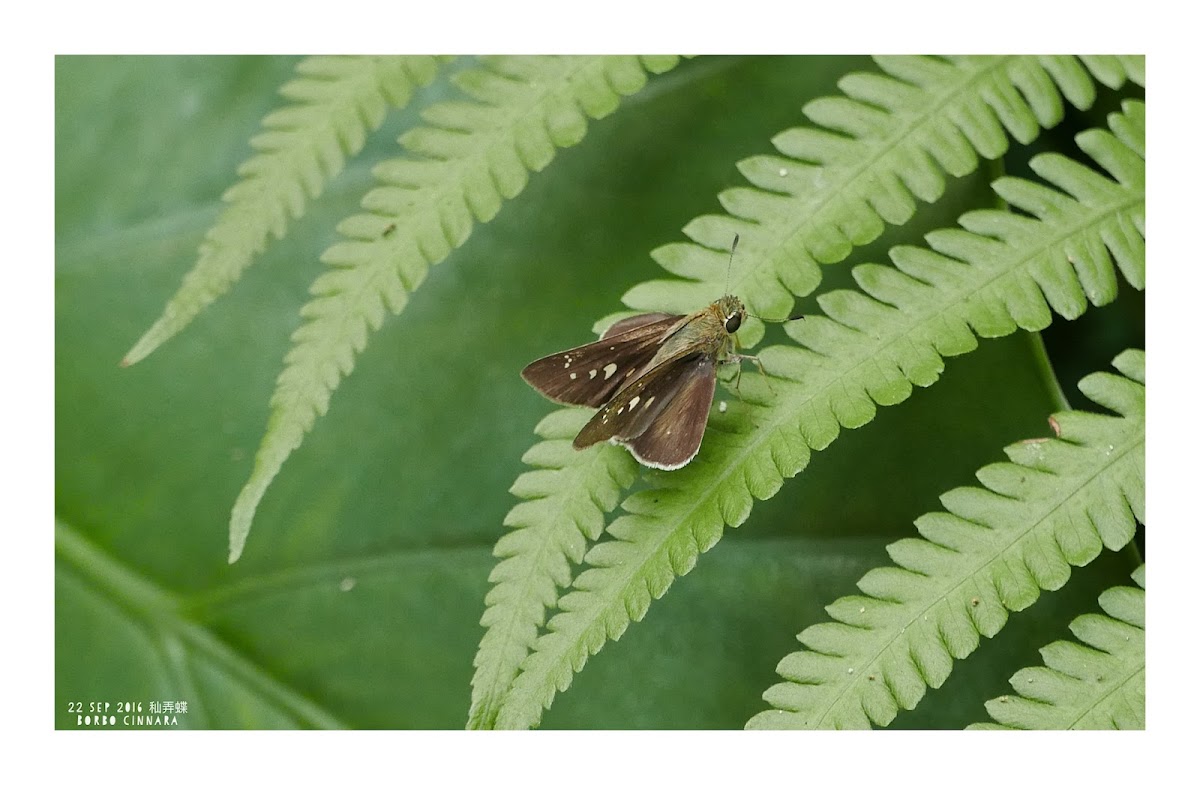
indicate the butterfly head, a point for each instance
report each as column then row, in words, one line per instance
column 731, row 311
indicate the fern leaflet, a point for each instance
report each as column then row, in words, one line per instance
column 1098, row 686
column 1113, row 70
column 567, row 494
column 468, row 159
column 336, row 102
column 888, row 142
column 1003, row 272
column 1055, row 505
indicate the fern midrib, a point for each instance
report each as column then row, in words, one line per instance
column 500, row 134
column 965, row 295
column 928, row 317
column 1022, row 262
column 1094, row 218
column 1112, row 694
column 973, row 573
column 589, row 617
column 306, row 139
column 287, row 156
column 786, row 413
column 161, row 613
column 494, row 701
column 614, row 588
column 835, row 192
column 344, row 101
column 447, row 187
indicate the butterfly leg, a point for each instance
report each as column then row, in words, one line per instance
column 737, row 377
column 738, row 358
column 766, row 378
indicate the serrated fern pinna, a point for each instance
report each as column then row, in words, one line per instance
column 1001, row 271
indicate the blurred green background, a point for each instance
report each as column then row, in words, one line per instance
column 358, row 599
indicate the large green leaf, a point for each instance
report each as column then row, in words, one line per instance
column 359, row 603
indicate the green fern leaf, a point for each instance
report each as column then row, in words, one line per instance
column 1003, row 272
column 1099, row 686
column 468, row 159
column 336, row 102
column 567, row 494
column 1114, row 70
column 1055, row 505
column 890, row 141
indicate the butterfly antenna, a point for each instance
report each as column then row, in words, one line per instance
column 729, row 267
column 791, row 318
column 729, row 272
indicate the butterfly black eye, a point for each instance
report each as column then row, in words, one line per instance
column 733, row 323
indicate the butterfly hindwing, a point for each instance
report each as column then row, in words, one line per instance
column 591, row 374
column 661, row 415
column 673, row 438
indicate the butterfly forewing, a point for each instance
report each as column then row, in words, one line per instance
column 640, row 320
column 589, row 375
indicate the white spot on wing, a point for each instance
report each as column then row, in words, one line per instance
column 633, row 404
column 609, row 370
column 592, row 374
column 573, row 375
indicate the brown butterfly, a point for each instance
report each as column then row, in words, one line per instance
column 652, row 376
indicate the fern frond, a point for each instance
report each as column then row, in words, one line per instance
column 996, row 548
column 468, row 159
column 1003, row 272
column 567, row 495
column 889, row 141
column 1097, row 686
column 335, row 103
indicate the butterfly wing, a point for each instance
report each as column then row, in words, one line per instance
column 673, row 437
column 630, row 322
column 589, row 375
column 660, row 416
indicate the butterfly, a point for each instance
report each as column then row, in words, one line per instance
column 652, row 376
